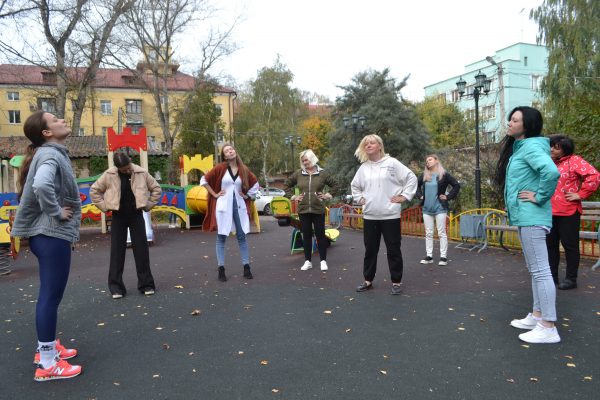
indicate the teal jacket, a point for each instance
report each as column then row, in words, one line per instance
column 530, row 168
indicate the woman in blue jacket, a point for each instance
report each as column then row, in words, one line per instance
column 529, row 176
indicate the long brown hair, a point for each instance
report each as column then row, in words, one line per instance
column 439, row 169
column 33, row 128
column 242, row 169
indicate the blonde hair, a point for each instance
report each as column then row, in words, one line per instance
column 439, row 170
column 310, row 156
column 360, row 152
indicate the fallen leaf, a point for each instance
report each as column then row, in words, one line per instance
column 166, row 346
column 156, row 376
column 195, row 312
column 100, row 323
column 205, row 256
column 510, row 380
column 116, row 384
column 191, row 353
column 450, row 309
column 525, row 346
column 383, row 372
column 275, row 390
column 348, row 330
column 159, row 328
column 460, row 328
column 569, row 357
column 386, row 356
column 587, row 378
column 571, row 365
column 241, row 353
column 327, row 312
column 534, row 380
column 264, row 362
column 178, row 286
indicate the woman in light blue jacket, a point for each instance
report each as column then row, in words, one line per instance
column 529, row 176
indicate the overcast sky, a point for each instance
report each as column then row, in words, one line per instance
column 326, row 42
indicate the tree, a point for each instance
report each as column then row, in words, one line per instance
column 269, row 109
column 571, row 31
column 152, row 29
column 445, row 123
column 315, row 133
column 197, row 134
column 76, row 34
column 376, row 96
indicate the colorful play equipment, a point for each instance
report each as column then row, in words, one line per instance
column 284, row 211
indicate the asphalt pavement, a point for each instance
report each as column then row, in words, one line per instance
column 291, row 334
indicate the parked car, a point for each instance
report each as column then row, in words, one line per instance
column 272, row 191
column 264, row 197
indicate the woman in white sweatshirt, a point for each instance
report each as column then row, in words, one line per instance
column 380, row 185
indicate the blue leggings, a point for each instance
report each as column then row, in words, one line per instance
column 54, row 259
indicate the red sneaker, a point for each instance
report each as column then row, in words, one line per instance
column 61, row 370
column 62, row 351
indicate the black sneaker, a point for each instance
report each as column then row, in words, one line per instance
column 247, row 273
column 443, row 261
column 222, row 276
column 567, row 284
column 427, row 260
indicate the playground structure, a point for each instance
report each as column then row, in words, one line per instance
column 284, row 211
column 188, row 202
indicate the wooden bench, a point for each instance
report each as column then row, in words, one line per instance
column 497, row 221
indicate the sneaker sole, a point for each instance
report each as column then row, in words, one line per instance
column 305, row 269
column 551, row 341
column 442, row 263
column 52, row 378
column 427, row 262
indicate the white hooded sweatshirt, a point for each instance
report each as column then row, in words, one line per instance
column 377, row 182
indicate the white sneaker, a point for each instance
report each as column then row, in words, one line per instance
column 324, row 265
column 117, row 296
column 540, row 334
column 443, row 261
column 529, row 322
column 307, row 265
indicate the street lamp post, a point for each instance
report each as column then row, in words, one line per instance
column 290, row 139
column 356, row 121
column 482, row 84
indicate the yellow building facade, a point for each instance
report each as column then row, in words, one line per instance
column 116, row 99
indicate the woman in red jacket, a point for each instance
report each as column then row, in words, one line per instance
column 578, row 180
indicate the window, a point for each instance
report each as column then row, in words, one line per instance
column 47, row 104
column 488, row 137
column 219, row 108
column 81, row 132
column 164, row 100
column 14, row 116
column 105, row 107
column 488, row 113
column 535, row 82
column 133, row 106
column 455, row 96
column 12, row 96
column 525, row 61
column 135, row 129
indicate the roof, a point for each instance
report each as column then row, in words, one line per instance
column 79, row 146
column 33, row 75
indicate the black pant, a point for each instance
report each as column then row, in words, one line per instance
column 566, row 231
column 307, row 221
column 391, row 231
column 118, row 247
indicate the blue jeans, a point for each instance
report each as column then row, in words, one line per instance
column 533, row 241
column 241, row 238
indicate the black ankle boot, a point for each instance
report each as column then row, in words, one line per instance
column 567, row 284
column 247, row 273
column 222, row 276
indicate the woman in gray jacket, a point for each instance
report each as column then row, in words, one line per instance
column 49, row 214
